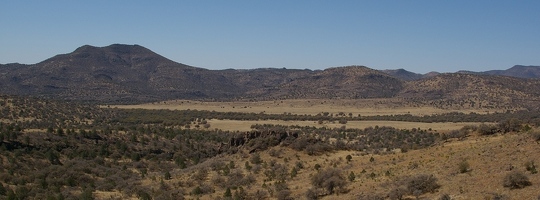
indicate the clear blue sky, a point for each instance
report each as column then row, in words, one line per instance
column 419, row 36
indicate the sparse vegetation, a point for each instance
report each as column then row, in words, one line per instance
column 102, row 153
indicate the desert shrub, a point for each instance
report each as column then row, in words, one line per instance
column 421, row 184
column 3, row 190
column 143, row 195
column 516, row 180
column 397, row 193
column 85, row 195
column 255, row 159
column 445, row 197
column 463, row 166
column 531, row 167
column 167, row 175
column 496, row 196
column 197, row 191
column 510, row 125
column 219, row 181
column 284, row 195
column 485, row 129
column 348, row 158
column 274, row 152
column 236, row 178
column 200, row 175
column 228, row 193
column 260, row 194
column 216, row 165
column 370, row 197
column 311, row 194
column 282, row 190
column 240, row 194
column 536, row 135
column 277, row 171
column 457, row 133
column 332, row 180
column 206, row 189
column 351, row 176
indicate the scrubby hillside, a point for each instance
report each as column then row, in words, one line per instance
column 474, row 91
column 54, row 150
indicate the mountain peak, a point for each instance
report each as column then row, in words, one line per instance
column 114, row 48
column 403, row 74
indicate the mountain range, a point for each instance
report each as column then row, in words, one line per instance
column 133, row 74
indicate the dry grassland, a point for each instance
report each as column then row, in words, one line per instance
column 364, row 107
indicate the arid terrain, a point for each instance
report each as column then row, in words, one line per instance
column 122, row 122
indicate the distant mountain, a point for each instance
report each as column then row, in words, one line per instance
column 133, row 74
column 518, row 71
column 114, row 73
column 403, row 74
column 343, row 82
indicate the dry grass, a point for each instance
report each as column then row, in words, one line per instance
column 490, row 159
column 364, row 107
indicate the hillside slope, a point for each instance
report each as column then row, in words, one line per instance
column 474, row 91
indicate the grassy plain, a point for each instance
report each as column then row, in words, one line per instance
column 364, row 107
